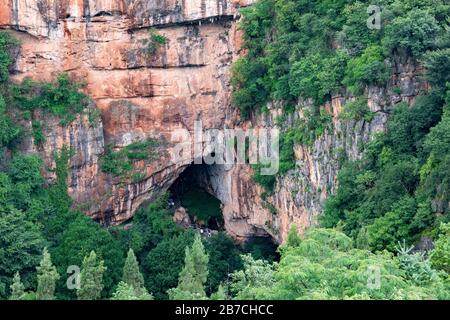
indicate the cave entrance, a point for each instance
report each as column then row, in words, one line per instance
column 193, row 191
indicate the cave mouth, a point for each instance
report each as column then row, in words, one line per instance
column 193, row 191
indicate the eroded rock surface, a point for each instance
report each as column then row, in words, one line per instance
column 143, row 95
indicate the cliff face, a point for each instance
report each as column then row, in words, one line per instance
column 141, row 95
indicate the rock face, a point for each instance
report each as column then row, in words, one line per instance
column 143, row 95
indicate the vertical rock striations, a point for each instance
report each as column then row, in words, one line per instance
column 147, row 94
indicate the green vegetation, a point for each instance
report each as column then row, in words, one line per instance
column 153, row 42
column 440, row 257
column 357, row 110
column 303, row 52
column 120, row 163
column 47, row 277
column 300, row 53
column 62, row 98
column 7, row 43
column 17, row 288
column 91, row 278
column 391, row 191
column 325, row 265
column 202, row 205
column 38, row 134
column 132, row 286
column 126, row 292
column 194, row 274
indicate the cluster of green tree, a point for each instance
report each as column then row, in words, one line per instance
column 160, row 245
column 35, row 213
column 400, row 189
column 88, row 283
column 311, row 49
column 306, row 51
column 326, row 265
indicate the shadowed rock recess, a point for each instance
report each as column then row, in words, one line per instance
column 144, row 95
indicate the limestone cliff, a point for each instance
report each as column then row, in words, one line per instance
column 141, row 95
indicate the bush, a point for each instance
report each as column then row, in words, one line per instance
column 38, row 134
column 440, row 256
column 367, row 69
column 316, row 76
column 250, row 85
column 415, row 33
column 164, row 263
column 355, row 36
column 153, row 42
column 357, row 110
column 9, row 132
column 437, row 65
column 7, row 42
column 62, row 98
column 120, row 163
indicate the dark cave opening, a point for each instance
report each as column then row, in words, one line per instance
column 193, row 191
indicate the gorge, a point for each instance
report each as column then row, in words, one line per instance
column 92, row 93
column 141, row 96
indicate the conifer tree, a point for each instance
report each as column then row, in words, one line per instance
column 194, row 274
column 17, row 288
column 220, row 294
column 91, row 278
column 125, row 291
column 47, row 277
column 131, row 274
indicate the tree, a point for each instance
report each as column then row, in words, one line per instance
column 131, row 274
column 293, row 239
column 125, row 291
column 437, row 65
column 440, row 256
column 393, row 227
column 220, row 294
column 8, row 130
column 416, row 266
column 17, row 288
column 193, row 277
column 20, row 242
column 151, row 225
column 224, row 259
column 251, row 282
column 47, row 277
column 6, row 43
column 91, row 278
column 325, row 265
column 78, row 239
column 367, row 69
column 164, row 264
column 415, row 32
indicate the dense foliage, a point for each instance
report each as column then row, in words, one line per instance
column 120, row 163
column 326, row 265
column 312, row 49
column 299, row 53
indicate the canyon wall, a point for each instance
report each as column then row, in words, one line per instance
column 101, row 42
